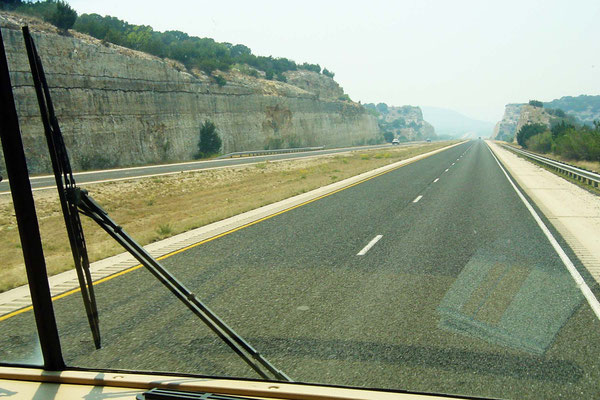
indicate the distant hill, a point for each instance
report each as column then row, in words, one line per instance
column 452, row 123
column 585, row 108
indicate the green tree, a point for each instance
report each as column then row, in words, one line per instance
column 63, row 17
column 536, row 103
column 328, row 73
column 210, row 142
column 388, row 136
column 528, row 131
column 220, row 80
column 382, row 108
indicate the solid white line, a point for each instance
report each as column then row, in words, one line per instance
column 371, row 244
column 436, row 179
column 585, row 289
column 417, row 199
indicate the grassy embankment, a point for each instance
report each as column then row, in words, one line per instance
column 158, row 207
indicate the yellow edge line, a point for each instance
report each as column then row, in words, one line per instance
column 72, row 291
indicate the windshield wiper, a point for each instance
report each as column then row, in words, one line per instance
column 75, row 200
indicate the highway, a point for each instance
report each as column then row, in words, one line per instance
column 434, row 277
column 87, row 177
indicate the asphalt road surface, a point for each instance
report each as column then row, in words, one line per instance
column 47, row 181
column 431, row 278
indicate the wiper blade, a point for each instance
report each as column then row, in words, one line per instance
column 64, row 182
column 75, row 201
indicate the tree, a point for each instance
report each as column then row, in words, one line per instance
column 388, row 136
column 528, row 131
column 220, row 80
column 63, row 17
column 382, row 108
column 210, row 142
column 328, row 73
column 536, row 103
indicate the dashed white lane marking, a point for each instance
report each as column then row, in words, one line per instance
column 436, row 179
column 446, row 169
column 453, row 163
column 417, row 199
column 585, row 289
column 371, row 244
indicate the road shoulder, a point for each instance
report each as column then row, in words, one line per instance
column 573, row 211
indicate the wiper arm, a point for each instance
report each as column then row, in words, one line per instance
column 75, row 200
column 64, row 182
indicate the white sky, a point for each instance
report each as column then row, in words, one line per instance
column 470, row 56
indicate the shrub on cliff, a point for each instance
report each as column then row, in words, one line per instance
column 328, row 73
column 63, row 17
column 210, row 142
column 536, row 103
column 58, row 13
column 220, row 80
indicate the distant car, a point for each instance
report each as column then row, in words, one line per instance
column 395, row 141
column 428, row 140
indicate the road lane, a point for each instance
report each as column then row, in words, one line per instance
column 395, row 317
column 87, row 177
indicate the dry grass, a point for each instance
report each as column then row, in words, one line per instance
column 154, row 208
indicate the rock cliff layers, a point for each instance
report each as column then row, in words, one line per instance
column 119, row 107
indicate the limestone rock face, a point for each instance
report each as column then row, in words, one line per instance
column 407, row 122
column 506, row 129
column 322, row 86
column 533, row 115
column 119, row 107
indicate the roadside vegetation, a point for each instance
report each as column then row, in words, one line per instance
column 193, row 52
column 157, row 207
column 209, row 143
column 569, row 141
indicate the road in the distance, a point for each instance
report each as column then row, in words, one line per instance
column 47, row 181
column 461, row 293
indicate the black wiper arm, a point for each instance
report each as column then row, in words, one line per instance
column 251, row 356
column 75, row 200
column 64, row 182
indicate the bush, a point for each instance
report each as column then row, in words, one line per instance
column 388, row 136
column 541, row 142
column 528, row 131
column 210, row 142
column 328, row 73
column 344, row 97
column 220, row 80
column 64, row 16
column 536, row 103
column 281, row 77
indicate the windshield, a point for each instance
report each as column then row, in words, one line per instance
column 400, row 197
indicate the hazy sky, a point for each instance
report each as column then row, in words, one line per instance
column 470, row 56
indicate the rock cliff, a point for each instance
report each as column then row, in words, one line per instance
column 119, row 107
column 507, row 127
column 404, row 122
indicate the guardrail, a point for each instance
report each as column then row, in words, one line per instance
column 582, row 175
column 267, row 152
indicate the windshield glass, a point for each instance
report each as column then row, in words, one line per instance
column 300, row 220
